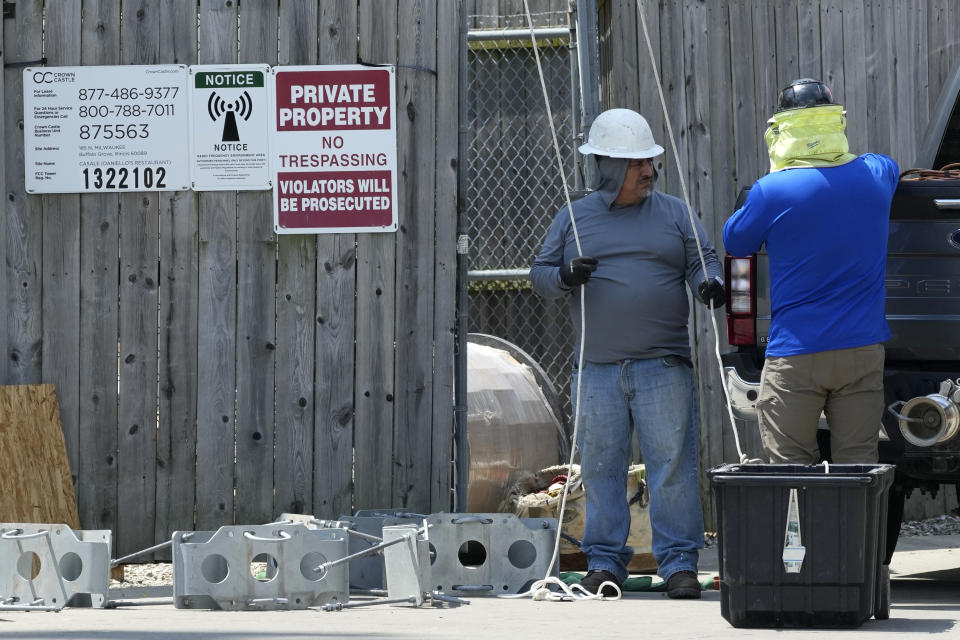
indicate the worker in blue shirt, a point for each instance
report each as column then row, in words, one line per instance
column 823, row 215
column 639, row 254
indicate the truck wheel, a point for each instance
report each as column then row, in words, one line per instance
column 882, row 609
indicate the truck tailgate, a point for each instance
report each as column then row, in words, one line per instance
column 923, row 271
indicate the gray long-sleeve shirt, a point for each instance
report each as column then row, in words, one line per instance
column 636, row 300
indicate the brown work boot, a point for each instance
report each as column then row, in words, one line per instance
column 683, row 584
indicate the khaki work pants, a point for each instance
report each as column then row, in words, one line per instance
column 846, row 385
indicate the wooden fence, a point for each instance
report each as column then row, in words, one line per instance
column 722, row 63
column 208, row 371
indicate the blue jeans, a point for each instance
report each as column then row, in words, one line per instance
column 657, row 398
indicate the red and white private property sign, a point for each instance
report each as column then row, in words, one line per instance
column 334, row 149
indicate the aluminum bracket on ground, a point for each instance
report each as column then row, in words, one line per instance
column 51, row 566
column 258, row 567
column 407, row 564
column 489, row 553
column 368, row 573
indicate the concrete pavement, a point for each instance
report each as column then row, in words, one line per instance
column 926, row 600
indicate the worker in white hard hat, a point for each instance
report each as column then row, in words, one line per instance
column 639, row 250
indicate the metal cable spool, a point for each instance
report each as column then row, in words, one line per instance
column 513, row 427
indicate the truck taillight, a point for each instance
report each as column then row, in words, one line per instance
column 741, row 300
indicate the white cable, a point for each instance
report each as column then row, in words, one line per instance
column 693, row 225
column 583, row 315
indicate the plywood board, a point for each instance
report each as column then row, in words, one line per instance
column 33, row 458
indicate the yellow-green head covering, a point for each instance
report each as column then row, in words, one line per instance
column 808, row 137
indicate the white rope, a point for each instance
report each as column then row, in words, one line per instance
column 538, row 589
column 693, row 225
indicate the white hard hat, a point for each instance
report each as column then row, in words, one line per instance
column 621, row 133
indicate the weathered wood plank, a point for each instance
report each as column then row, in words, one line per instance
column 217, row 503
column 765, row 71
column 699, row 175
column 216, row 352
column 178, row 300
column 139, row 230
column 296, row 311
column 416, row 139
column 809, row 57
column 137, row 407
column 37, row 484
column 486, row 14
column 376, row 292
column 673, row 80
column 4, row 342
column 939, row 42
column 61, row 257
column 256, row 319
column 219, row 290
column 747, row 123
column 629, row 60
column 648, row 100
column 336, row 315
column 99, row 292
column 445, row 269
column 878, row 44
column 24, row 219
column 788, row 45
column 911, row 107
column 831, row 37
column 855, row 73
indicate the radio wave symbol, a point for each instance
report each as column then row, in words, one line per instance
column 217, row 107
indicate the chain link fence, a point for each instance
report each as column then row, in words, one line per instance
column 515, row 188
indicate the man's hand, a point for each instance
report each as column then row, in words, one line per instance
column 578, row 271
column 711, row 290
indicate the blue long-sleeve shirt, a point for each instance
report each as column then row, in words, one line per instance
column 636, row 299
column 826, row 235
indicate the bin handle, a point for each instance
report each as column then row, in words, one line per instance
column 831, row 479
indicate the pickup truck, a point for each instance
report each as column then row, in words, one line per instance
column 920, row 431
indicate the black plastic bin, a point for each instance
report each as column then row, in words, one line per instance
column 843, row 525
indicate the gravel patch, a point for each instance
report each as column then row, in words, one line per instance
column 939, row 526
column 156, row 574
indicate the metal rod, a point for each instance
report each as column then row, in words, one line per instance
column 499, row 274
column 589, row 68
column 339, row 606
column 442, row 597
column 365, row 536
column 144, row 602
column 360, row 554
column 27, row 607
column 461, row 447
column 156, row 547
column 573, row 66
column 357, row 591
column 333, row 524
column 142, row 552
column 486, row 35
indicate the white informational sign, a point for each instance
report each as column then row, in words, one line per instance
column 88, row 129
column 334, row 149
column 229, row 124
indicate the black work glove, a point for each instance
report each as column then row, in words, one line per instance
column 711, row 290
column 578, row 271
